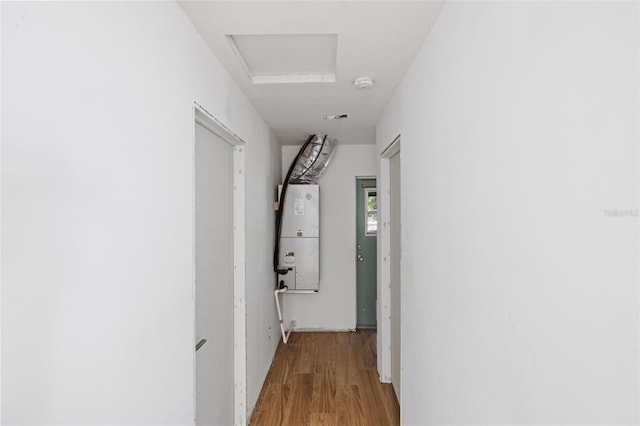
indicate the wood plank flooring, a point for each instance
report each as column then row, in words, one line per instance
column 326, row 378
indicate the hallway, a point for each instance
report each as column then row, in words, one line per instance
column 517, row 268
column 326, row 378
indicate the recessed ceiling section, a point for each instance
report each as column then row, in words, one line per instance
column 287, row 58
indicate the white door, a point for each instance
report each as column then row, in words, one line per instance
column 396, row 278
column 214, row 279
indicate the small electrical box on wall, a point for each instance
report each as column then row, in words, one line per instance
column 300, row 238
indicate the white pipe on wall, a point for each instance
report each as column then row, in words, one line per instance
column 285, row 335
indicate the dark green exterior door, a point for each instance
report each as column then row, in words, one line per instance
column 366, row 229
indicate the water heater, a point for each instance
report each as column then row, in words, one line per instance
column 299, row 253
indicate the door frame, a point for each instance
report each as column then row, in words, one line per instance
column 355, row 251
column 204, row 118
column 384, row 266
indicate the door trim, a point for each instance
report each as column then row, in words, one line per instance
column 392, row 149
column 384, row 268
column 204, row 118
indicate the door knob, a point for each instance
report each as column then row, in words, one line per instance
column 360, row 258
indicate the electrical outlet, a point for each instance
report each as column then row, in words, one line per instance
column 269, row 332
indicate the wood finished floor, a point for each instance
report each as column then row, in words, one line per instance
column 326, row 378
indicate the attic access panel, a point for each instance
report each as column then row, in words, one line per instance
column 287, row 58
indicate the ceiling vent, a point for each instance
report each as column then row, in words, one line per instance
column 287, row 58
column 363, row 83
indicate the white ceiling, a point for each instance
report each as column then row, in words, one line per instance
column 287, row 58
column 378, row 39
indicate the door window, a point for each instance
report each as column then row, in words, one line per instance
column 371, row 211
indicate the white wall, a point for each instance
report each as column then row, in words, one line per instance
column 519, row 130
column 263, row 176
column 97, row 183
column 334, row 307
column 0, row 217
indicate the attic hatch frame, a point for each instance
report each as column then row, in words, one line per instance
column 206, row 119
